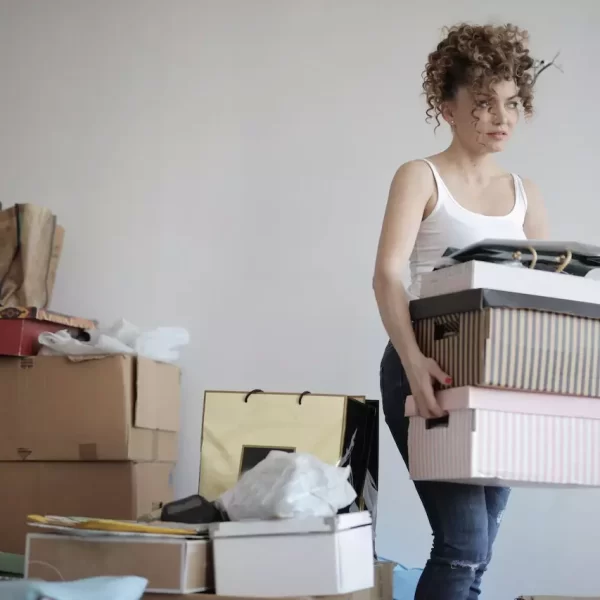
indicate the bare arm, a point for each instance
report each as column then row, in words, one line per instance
column 411, row 190
column 536, row 219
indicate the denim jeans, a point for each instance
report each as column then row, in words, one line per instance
column 464, row 518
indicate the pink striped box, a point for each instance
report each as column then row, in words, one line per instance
column 508, row 438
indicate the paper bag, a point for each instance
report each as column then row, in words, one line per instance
column 240, row 429
column 30, row 248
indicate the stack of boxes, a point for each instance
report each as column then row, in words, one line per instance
column 261, row 559
column 306, row 557
column 525, row 366
column 96, row 436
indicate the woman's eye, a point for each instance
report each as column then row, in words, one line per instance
column 482, row 104
column 513, row 105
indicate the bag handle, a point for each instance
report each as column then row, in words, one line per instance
column 259, row 391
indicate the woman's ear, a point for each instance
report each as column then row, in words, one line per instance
column 448, row 113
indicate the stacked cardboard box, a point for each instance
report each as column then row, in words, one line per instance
column 524, row 408
column 94, row 437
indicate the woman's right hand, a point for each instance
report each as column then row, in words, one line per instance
column 421, row 373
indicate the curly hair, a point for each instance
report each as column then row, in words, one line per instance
column 478, row 56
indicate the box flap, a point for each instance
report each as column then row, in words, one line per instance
column 290, row 526
column 478, row 299
column 512, row 401
column 158, row 392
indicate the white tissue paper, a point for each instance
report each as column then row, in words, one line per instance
column 289, row 485
column 161, row 344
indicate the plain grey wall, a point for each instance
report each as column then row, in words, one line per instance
column 224, row 165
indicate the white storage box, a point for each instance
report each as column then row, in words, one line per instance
column 475, row 274
column 170, row 564
column 294, row 557
column 501, row 437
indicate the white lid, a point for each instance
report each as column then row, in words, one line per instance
column 291, row 526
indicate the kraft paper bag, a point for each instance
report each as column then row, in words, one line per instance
column 240, row 429
column 30, row 249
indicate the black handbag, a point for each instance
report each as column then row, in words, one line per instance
column 572, row 258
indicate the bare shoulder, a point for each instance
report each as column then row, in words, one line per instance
column 536, row 220
column 413, row 176
column 531, row 189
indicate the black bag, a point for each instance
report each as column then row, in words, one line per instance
column 572, row 258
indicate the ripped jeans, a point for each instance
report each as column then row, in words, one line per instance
column 464, row 518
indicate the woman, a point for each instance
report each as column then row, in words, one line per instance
column 478, row 80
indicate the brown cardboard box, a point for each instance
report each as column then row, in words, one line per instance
column 517, row 341
column 113, row 408
column 109, row 490
column 169, row 564
column 384, row 581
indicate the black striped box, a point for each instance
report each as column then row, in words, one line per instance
column 516, row 341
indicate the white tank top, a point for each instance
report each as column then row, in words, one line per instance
column 452, row 225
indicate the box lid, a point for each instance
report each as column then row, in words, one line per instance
column 479, row 299
column 512, row 401
column 33, row 313
column 290, row 526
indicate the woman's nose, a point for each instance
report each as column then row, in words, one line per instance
column 500, row 116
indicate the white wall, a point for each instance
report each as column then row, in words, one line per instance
column 224, row 166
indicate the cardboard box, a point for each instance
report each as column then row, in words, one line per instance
column 486, row 439
column 20, row 328
column 239, row 429
column 294, row 557
column 171, row 565
column 113, row 408
column 109, row 490
column 512, row 341
column 485, row 275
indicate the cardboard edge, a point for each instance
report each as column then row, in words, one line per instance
column 28, row 538
column 183, row 570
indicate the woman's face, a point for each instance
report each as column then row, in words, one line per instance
column 484, row 122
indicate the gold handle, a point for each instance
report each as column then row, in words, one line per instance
column 534, row 256
column 564, row 260
column 517, row 255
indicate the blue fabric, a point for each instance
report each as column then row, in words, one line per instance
column 405, row 582
column 95, row 588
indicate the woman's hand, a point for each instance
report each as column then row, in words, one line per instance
column 421, row 373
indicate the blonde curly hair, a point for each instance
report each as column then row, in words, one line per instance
column 478, row 56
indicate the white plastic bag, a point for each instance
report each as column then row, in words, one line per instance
column 161, row 344
column 289, row 485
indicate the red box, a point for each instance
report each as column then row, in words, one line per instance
column 20, row 328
